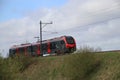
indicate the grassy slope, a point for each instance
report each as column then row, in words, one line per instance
column 87, row 66
column 110, row 67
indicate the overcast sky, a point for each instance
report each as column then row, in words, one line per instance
column 95, row 23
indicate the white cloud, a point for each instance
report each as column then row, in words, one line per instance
column 91, row 22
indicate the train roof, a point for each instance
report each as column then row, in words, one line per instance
column 38, row 43
column 58, row 38
column 21, row 45
column 54, row 39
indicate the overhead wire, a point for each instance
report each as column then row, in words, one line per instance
column 101, row 11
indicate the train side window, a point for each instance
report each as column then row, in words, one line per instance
column 29, row 48
column 12, row 51
column 34, row 48
column 57, row 44
column 52, row 45
column 21, row 50
column 44, row 46
column 62, row 42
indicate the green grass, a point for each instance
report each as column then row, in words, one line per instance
column 80, row 66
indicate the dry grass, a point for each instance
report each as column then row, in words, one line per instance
column 79, row 66
column 110, row 68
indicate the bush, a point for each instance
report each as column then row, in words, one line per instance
column 87, row 49
column 10, row 67
column 21, row 62
column 5, row 74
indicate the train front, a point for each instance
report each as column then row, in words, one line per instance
column 70, row 44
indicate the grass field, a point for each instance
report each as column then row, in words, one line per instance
column 79, row 66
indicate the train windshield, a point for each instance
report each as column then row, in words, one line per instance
column 70, row 40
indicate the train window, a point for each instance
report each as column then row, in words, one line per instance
column 62, row 42
column 44, row 46
column 70, row 40
column 52, row 45
column 58, row 43
column 21, row 50
column 34, row 48
column 12, row 51
column 29, row 48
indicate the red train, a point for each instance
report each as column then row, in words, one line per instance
column 60, row 45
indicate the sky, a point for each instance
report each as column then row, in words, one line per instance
column 94, row 23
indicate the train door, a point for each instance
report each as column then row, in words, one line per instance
column 62, row 44
column 21, row 50
column 29, row 50
column 35, row 51
column 44, row 48
column 53, row 47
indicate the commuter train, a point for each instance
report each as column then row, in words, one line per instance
column 56, row 46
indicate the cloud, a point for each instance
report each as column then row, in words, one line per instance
column 91, row 22
column 79, row 13
column 104, row 35
column 105, row 30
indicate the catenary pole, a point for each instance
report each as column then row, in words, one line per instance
column 41, row 35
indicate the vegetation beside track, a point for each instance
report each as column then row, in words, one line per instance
column 83, row 65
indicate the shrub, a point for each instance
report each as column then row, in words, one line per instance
column 5, row 74
column 10, row 67
column 87, row 49
column 21, row 62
